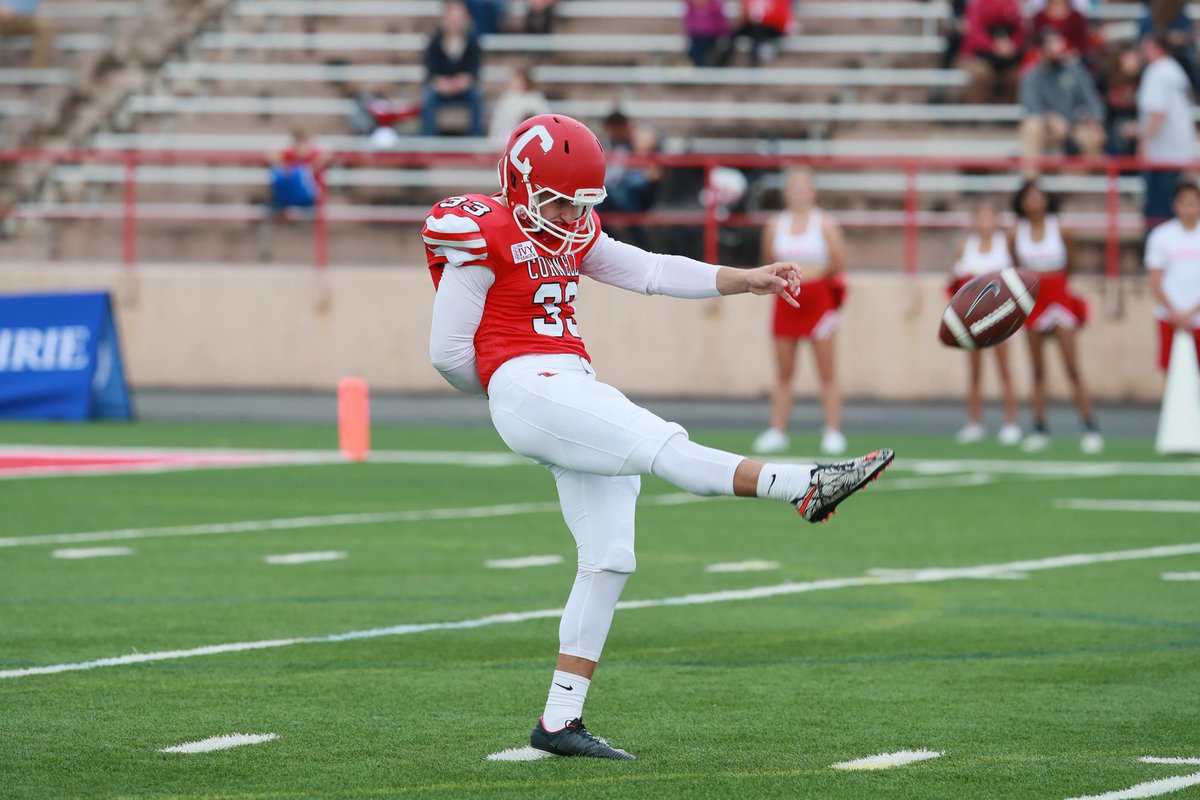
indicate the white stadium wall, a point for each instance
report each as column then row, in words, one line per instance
column 286, row 328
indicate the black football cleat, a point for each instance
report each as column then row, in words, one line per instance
column 574, row 740
column 830, row 484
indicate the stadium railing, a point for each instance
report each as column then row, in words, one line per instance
column 1113, row 173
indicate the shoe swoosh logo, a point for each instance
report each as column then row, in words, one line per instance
column 992, row 288
column 568, row 688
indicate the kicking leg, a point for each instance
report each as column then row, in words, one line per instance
column 814, row 489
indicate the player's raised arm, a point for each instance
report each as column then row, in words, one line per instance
column 637, row 270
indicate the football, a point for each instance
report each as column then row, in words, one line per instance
column 989, row 308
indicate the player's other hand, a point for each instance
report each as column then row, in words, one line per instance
column 781, row 278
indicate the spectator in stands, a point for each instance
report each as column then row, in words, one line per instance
column 1166, row 125
column 707, row 29
column 19, row 18
column 453, row 61
column 1170, row 19
column 985, row 250
column 1061, row 105
column 1058, row 15
column 1118, row 87
column 953, row 26
column 295, row 172
column 1041, row 244
column 762, row 24
column 295, row 182
column 1173, row 264
column 520, row 101
column 540, row 16
column 992, row 49
column 803, row 233
column 632, row 188
column 487, row 15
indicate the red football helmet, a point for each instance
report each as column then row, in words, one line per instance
column 553, row 157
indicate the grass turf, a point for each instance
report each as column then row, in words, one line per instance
column 1051, row 686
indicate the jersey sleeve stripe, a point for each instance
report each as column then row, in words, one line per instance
column 451, row 224
column 456, row 257
column 467, row 244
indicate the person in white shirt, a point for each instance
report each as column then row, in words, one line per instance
column 985, row 250
column 1040, row 243
column 1173, row 264
column 1166, row 124
column 520, row 101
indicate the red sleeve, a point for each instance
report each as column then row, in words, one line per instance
column 456, row 232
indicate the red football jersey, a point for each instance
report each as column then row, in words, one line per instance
column 531, row 305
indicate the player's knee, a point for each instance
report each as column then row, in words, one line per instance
column 616, row 557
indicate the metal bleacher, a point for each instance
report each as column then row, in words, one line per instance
column 856, row 81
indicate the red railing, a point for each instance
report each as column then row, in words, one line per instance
column 708, row 217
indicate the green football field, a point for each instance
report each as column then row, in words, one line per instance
column 1033, row 619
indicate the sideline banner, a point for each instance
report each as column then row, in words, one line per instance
column 60, row 358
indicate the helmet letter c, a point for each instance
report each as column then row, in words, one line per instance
column 536, row 132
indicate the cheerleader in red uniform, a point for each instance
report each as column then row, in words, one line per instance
column 985, row 250
column 804, row 234
column 1039, row 243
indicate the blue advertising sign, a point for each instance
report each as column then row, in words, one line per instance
column 60, row 358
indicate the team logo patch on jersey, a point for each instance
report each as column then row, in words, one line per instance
column 523, row 251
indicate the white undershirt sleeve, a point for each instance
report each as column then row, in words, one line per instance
column 457, row 311
column 629, row 267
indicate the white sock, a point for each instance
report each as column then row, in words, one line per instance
column 786, row 482
column 565, row 701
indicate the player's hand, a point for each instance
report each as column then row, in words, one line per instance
column 1181, row 321
column 781, row 278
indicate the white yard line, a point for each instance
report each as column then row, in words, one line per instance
column 1181, row 576
column 523, row 562
column 1139, row 506
column 1154, row 760
column 889, row 760
column 91, row 552
column 425, row 515
column 212, row 457
column 890, row 484
column 220, row 743
column 742, row 566
column 332, row 520
column 306, row 558
column 928, row 575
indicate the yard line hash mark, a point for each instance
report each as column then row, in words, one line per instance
column 889, row 760
column 220, row 743
column 1139, row 506
column 742, row 566
column 1152, row 788
column 893, row 577
column 306, row 558
column 523, row 562
column 519, row 754
column 75, row 553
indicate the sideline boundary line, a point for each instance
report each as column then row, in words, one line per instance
column 926, row 575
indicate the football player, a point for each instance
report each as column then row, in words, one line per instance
column 507, row 268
